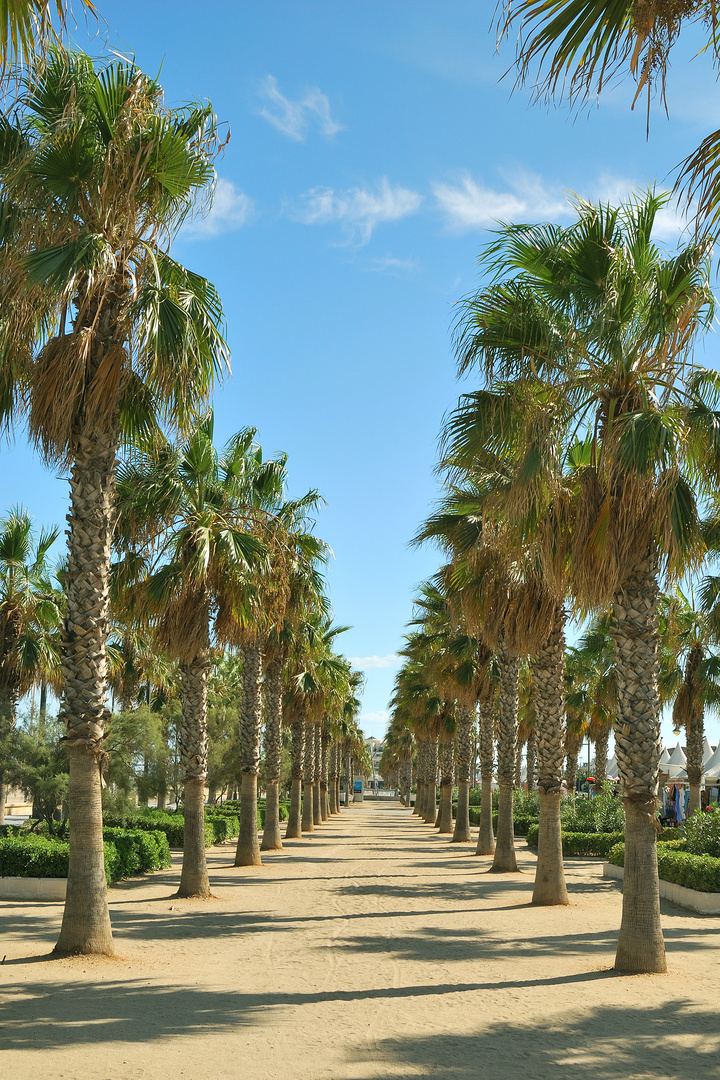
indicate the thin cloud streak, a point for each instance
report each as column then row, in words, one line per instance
column 294, row 118
column 358, row 210
column 366, row 663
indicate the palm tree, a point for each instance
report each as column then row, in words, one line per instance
column 199, row 513
column 599, row 321
column 690, row 637
column 26, row 26
column 30, row 616
column 578, row 49
column 101, row 330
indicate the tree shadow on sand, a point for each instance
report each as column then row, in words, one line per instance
column 672, row 1041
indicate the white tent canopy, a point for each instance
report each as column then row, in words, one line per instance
column 712, row 766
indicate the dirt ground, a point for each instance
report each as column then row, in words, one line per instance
column 373, row 948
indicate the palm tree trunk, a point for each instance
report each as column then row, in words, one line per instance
column 317, row 762
column 694, row 751
column 8, row 709
column 248, row 845
column 3, row 797
column 324, row 805
column 331, row 790
column 571, row 767
column 272, row 840
column 548, row 680
column 430, row 808
column 193, row 748
column 463, row 755
column 420, row 778
column 601, row 758
column 486, row 838
column 297, row 755
column 447, row 772
column 517, row 781
column 531, row 759
column 308, row 824
column 348, row 777
column 504, row 860
column 634, row 630
column 86, row 920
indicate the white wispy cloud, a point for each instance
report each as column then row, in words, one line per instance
column 379, row 717
column 472, row 205
column 358, row 210
column 526, row 197
column 367, row 662
column 231, row 209
column 393, row 264
column 294, row 118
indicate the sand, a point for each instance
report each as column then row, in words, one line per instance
column 373, row 948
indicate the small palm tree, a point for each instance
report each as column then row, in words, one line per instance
column 30, row 618
column 198, row 512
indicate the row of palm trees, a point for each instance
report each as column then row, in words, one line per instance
column 581, row 475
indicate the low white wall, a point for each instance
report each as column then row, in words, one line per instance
column 32, row 888
column 707, row 903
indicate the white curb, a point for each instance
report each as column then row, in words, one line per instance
column 32, row 888
column 707, row 903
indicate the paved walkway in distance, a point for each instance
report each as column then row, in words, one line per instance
column 373, row 948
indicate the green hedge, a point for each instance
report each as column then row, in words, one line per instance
column 521, row 822
column 38, row 856
column 140, row 851
column 700, row 872
column 173, row 825
column 224, row 826
column 595, row 844
column 127, row 852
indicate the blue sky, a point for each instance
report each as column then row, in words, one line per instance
column 372, row 147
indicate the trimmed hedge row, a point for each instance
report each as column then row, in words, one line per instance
column 127, row 852
column 700, row 872
column 218, row 827
column 597, row 844
column 521, row 822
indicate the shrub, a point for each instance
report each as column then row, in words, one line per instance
column 602, row 813
column 173, row 825
column 33, row 856
column 140, row 851
column 224, row 826
column 702, row 830
column 595, row 844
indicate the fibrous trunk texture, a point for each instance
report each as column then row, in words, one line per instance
column 8, row 708
column 297, row 754
column 531, row 759
column 324, row 804
column 332, row 791
column 248, row 845
column 517, row 780
column 691, row 700
column 193, row 746
column 308, row 770
column 504, row 860
column 447, row 771
column 348, row 778
column 548, row 682
column 571, row 767
column 463, row 757
column 272, row 692
column 317, row 763
column 634, row 630
column 86, row 921
column 430, row 807
column 486, row 740
column 601, row 758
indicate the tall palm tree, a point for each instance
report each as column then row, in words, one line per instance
column 199, row 512
column 601, row 322
column 100, row 331
column 30, row 616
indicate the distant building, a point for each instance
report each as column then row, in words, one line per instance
column 375, row 749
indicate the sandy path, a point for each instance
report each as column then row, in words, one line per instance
column 372, row 949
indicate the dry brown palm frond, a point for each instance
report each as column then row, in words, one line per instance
column 529, row 617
